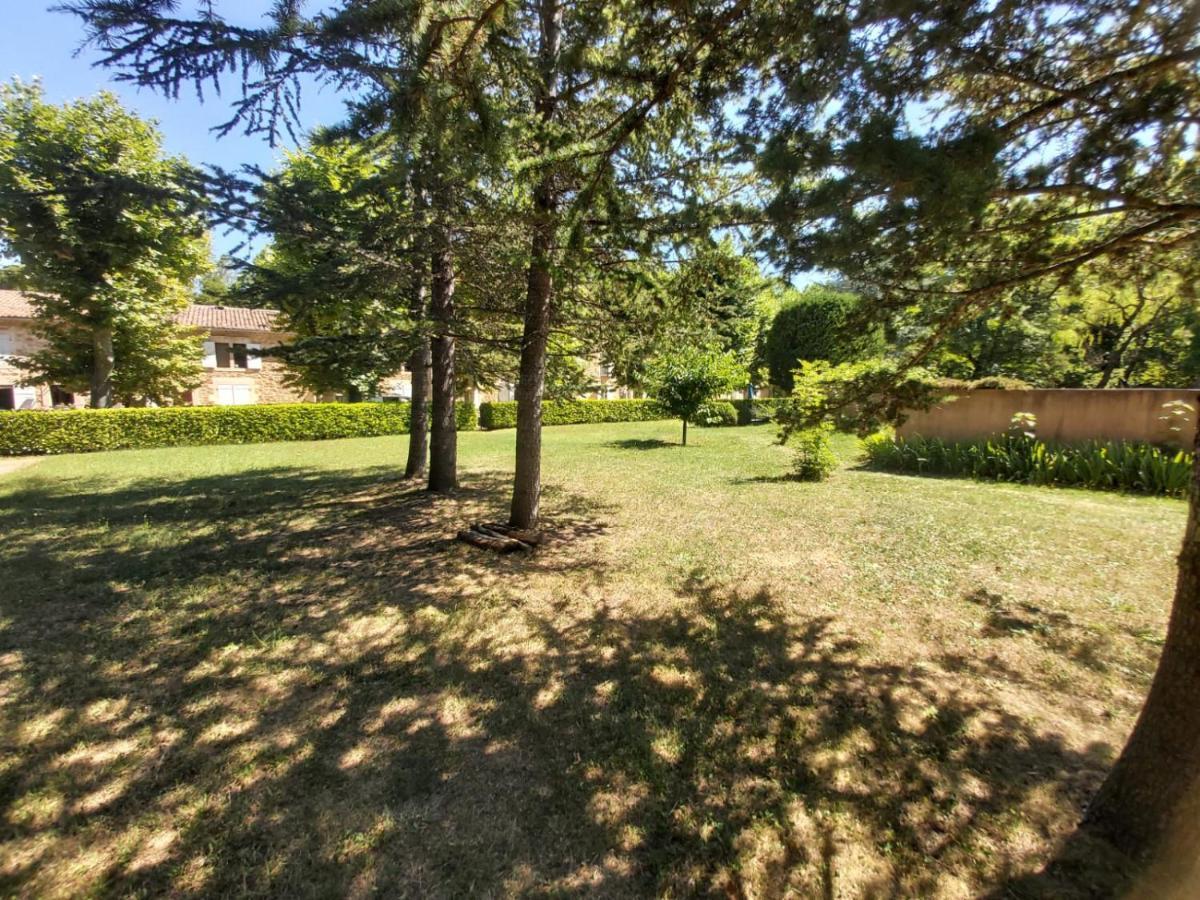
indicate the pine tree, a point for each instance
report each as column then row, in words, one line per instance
column 933, row 153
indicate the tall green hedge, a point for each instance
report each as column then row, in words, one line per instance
column 87, row 430
column 574, row 412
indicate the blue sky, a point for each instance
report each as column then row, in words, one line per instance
column 36, row 43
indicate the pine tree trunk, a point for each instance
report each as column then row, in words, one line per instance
column 418, row 365
column 531, row 382
column 539, row 295
column 443, row 438
column 1152, row 795
column 102, row 368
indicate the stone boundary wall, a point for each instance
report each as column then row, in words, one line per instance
column 1063, row 414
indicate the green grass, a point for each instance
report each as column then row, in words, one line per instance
column 269, row 670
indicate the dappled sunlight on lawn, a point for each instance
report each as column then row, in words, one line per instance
column 292, row 681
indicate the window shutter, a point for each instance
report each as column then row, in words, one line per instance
column 210, row 355
column 24, row 398
column 253, row 360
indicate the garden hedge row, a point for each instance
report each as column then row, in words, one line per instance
column 573, row 412
column 87, row 430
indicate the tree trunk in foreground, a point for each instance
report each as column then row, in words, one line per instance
column 685, row 432
column 527, row 482
column 1151, row 798
column 443, row 438
column 102, row 368
column 418, row 367
column 539, row 296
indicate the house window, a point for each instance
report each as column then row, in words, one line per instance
column 6, row 344
column 226, row 355
column 6, row 398
column 234, row 395
column 232, row 356
column 59, row 397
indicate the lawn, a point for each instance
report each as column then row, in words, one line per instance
column 269, row 670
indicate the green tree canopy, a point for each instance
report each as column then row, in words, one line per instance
column 818, row 323
column 110, row 242
column 685, row 380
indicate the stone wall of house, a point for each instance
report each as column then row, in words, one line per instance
column 267, row 384
column 17, row 339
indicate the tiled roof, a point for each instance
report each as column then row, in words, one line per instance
column 231, row 318
column 15, row 305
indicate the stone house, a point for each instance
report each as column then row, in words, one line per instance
column 234, row 373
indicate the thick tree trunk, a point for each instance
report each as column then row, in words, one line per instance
column 422, row 385
column 539, row 297
column 443, row 439
column 102, row 368
column 1151, row 798
column 539, row 294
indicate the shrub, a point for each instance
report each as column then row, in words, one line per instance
column 716, row 413
column 814, row 457
column 1016, row 457
column 87, row 430
column 820, row 323
column 757, row 410
column 503, row 414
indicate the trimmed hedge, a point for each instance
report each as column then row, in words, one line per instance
column 88, row 430
column 573, row 412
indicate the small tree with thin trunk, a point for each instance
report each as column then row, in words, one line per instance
column 684, row 381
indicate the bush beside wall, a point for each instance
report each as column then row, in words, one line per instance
column 503, row 414
column 88, row 430
column 1102, row 465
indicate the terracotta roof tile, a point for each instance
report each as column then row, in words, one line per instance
column 232, row 318
column 15, row 305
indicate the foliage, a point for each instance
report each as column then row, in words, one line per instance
column 716, row 413
column 109, row 241
column 89, row 430
column 819, row 323
column 814, row 458
column 503, row 414
column 1018, row 457
column 865, row 396
column 757, row 410
column 684, row 381
column 339, row 267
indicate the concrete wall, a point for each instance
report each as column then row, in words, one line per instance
column 1128, row 414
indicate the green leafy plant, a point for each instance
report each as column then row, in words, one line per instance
column 683, row 382
column 1016, row 457
column 716, row 413
column 814, row 458
column 87, row 430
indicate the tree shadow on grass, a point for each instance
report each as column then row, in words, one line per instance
column 641, row 444
column 293, row 683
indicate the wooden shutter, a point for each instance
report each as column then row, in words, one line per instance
column 253, row 360
column 210, row 355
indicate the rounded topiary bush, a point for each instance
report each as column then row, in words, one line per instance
column 716, row 414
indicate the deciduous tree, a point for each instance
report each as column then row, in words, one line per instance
column 107, row 231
